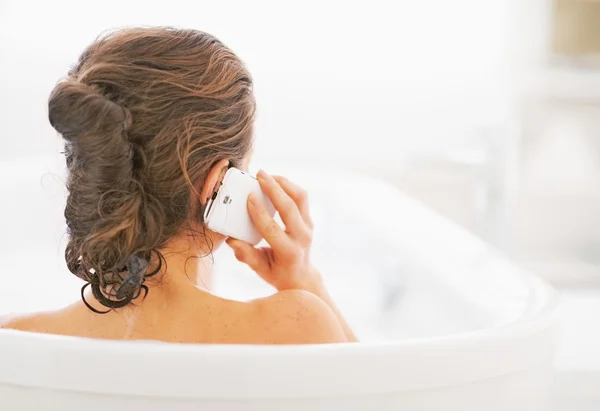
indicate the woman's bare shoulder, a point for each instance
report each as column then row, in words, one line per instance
column 37, row 322
column 16, row 321
column 296, row 317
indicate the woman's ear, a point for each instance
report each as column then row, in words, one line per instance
column 213, row 180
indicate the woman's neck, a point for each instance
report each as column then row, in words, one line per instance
column 186, row 264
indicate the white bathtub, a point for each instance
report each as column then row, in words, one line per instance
column 445, row 323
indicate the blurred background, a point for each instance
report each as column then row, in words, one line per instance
column 487, row 111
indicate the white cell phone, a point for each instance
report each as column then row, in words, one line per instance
column 227, row 210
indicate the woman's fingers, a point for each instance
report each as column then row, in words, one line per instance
column 287, row 208
column 268, row 227
column 249, row 255
column 298, row 195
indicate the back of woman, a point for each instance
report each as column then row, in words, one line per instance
column 152, row 119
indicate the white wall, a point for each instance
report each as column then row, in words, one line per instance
column 352, row 83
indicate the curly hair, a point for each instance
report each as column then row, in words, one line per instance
column 145, row 113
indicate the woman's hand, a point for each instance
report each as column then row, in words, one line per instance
column 286, row 263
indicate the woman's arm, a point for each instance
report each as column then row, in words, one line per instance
column 286, row 263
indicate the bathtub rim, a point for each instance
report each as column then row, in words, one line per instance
column 319, row 370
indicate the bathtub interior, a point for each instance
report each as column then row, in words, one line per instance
column 396, row 268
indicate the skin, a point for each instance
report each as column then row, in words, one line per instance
column 180, row 307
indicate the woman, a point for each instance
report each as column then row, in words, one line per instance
column 152, row 119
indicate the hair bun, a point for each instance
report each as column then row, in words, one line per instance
column 76, row 109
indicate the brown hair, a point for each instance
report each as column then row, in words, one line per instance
column 145, row 114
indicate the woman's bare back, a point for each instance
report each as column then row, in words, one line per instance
column 287, row 317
